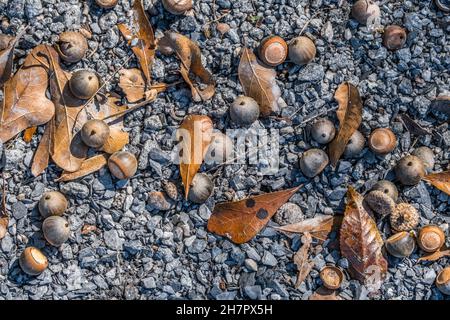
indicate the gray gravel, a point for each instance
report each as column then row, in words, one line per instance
column 140, row 252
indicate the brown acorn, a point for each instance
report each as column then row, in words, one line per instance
column 94, row 133
column 394, row 37
column 84, row 84
column 355, row 145
column 388, row 188
column 71, row 46
column 52, row 203
column 443, row 279
column 331, row 277
column 313, row 162
column 323, row 131
column 56, row 230
column 404, row 218
column 426, row 155
column 33, row 261
column 177, row 6
column 431, row 238
column 122, row 164
column 382, row 141
column 106, row 4
column 273, row 50
column 410, row 170
column 302, row 50
column 365, row 11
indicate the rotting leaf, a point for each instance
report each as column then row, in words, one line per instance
column 412, row 126
column 241, row 220
column 323, row 293
column 141, row 39
column 440, row 180
column 25, row 104
column 132, row 84
column 194, row 134
column 190, row 56
column 28, row 134
column 88, row 166
column 302, row 261
column 441, row 104
column 7, row 57
column 349, row 114
column 436, row 255
column 259, row 82
column 319, row 227
column 42, row 154
column 361, row 242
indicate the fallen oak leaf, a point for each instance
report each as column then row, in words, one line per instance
column 7, row 56
column 440, row 180
column 259, row 82
column 301, row 260
column 132, row 84
column 241, row 220
column 190, row 56
column 349, row 114
column 88, row 166
column 361, row 242
column 42, row 154
column 445, row 252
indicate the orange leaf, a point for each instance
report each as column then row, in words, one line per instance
column 349, row 114
column 361, row 242
column 440, row 180
column 29, row 133
column 88, row 166
column 241, row 220
column 195, row 134
column 445, row 252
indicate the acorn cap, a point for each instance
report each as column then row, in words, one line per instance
column 401, row 244
column 33, row 261
column 386, row 187
column 443, row 281
column 331, row 277
column 431, row 238
column 273, row 50
column 404, row 218
column 107, row 4
column 382, row 141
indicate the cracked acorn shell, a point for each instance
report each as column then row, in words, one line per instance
column 331, row 277
column 394, row 37
column 404, row 218
column 177, row 6
column 94, row 133
column 401, row 245
column 431, row 238
column 380, row 202
column 122, row 164
column 382, row 141
column 273, row 51
column 443, row 281
column 52, row 203
column 32, row 261
column 387, row 187
column 302, row 50
column 71, row 46
column 410, row 170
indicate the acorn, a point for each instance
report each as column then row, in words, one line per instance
column 201, row 188
column 388, row 188
column 355, row 145
column 302, row 50
column 32, row 261
column 443, row 281
column 443, row 5
column 365, row 11
column 410, row 170
column 313, row 161
column 220, row 149
column 401, row 245
column 94, row 133
column 71, row 46
column 273, row 50
column 106, row 4
column 122, row 164
column 52, row 203
column 177, row 6
column 331, row 277
column 56, row 230
column 323, row 131
column 380, row 202
column 394, row 37
column 244, row 111
column 382, row 141
column 426, row 155
column 431, row 238
column 84, row 84
column 404, row 218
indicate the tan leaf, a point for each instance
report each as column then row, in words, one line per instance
column 29, row 133
column 42, row 154
column 7, row 56
column 361, row 242
column 25, row 104
column 445, row 252
column 189, row 54
column 88, row 166
column 440, row 180
column 324, row 294
column 349, row 114
column 142, row 34
column 195, row 135
column 132, row 84
column 241, row 220
column 259, row 82
column 319, row 227
column 301, row 260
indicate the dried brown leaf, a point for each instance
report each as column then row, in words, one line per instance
column 445, row 252
column 132, row 84
column 412, row 126
column 349, row 114
column 259, row 82
column 301, row 260
column 142, row 34
column 195, row 134
column 7, row 57
column 361, row 242
column 241, row 220
column 190, row 56
column 440, row 180
column 42, row 154
column 88, row 166
column 25, row 104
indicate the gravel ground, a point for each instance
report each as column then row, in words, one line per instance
column 141, row 253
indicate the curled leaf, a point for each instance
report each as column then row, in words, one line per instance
column 241, row 220
column 361, row 242
column 7, row 56
column 349, row 114
column 301, row 260
column 88, row 166
column 132, row 84
column 190, row 56
column 440, row 180
column 259, row 82
column 436, row 255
